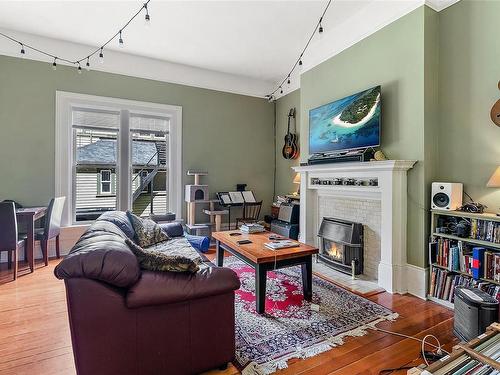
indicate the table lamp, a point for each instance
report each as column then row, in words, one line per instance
column 495, row 181
column 296, row 180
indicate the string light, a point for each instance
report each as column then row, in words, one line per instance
column 98, row 51
column 120, row 41
column 298, row 62
column 87, row 64
column 146, row 17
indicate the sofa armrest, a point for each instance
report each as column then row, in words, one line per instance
column 158, row 288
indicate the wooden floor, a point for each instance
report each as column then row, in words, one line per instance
column 35, row 338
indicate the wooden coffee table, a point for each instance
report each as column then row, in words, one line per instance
column 263, row 259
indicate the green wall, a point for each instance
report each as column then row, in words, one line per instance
column 284, row 172
column 229, row 135
column 469, row 142
column 393, row 57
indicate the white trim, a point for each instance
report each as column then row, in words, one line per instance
column 416, row 280
column 64, row 146
column 138, row 66
column 439, row 5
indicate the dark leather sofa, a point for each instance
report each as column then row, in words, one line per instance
column 127, row 321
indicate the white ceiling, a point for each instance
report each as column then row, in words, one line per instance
column 252, row 39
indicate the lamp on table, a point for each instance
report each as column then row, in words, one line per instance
column 494, row 181
column 296, row 180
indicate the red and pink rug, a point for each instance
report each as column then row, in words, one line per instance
column 290, row 328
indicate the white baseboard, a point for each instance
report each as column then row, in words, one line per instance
column 416, row 279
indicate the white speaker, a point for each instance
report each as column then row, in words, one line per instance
column 446, row 195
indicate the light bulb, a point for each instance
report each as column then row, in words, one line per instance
column 87, row 65
column 23, row 52
column 147, row 19
column 101, row 57
column 54, row 65
column 79, row 69
column 120, row 41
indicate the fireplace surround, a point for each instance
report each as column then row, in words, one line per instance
column 391, row 193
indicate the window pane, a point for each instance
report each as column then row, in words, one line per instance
column 106, row 187
column 95, row 172
column 154, row 124
column 95, row 119
column 105, row 176
column 149, row 172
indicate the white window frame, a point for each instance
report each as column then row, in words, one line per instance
column 64, row 147
column 101, row 180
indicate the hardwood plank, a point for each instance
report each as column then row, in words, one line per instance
column 35, row 338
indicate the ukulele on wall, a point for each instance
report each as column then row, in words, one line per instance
column 290, row 149
column 495, row 111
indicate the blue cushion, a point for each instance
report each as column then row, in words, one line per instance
column 172, row 229
column 200, row 243
column 120, row 219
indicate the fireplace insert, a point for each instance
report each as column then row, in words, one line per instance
column 341, row 245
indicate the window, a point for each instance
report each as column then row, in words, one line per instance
column 105, row 182
column 125, row 155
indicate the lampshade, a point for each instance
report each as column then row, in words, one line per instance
column 296, row 179
column 494, row 179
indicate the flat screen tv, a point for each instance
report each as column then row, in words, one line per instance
column 346, row 124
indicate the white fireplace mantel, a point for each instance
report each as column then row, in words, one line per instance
column 392, row 193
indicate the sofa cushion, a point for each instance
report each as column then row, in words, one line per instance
column 147, row 232
column 101, row 254
column 172, row 229
column 158, row 288
column 121, row 220
column 174, row 256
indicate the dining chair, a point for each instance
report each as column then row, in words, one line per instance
column 251, row 212
column 51, row 228
column 9, row 240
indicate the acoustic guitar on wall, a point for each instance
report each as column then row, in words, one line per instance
column 290, row 149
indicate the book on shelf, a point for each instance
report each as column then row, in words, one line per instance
column 485, row 230
column 477, row 262
column 452, row 255
column 443, row 284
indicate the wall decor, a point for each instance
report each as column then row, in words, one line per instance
column 495, row 111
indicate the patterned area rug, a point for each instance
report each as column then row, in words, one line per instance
column 290, row 328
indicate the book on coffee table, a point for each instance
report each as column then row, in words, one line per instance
column 276, row 245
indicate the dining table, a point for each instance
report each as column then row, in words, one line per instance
column 27, row 217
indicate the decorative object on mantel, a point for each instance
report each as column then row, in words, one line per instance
column 78, row 63
column 494, row 181
column 495, row 111
column 291, row 328
column 379, row 155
